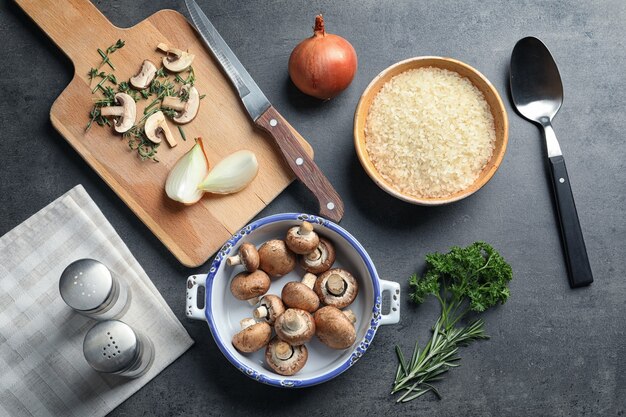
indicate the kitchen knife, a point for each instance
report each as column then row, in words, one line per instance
column 266, row 117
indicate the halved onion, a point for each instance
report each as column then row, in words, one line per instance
column 188, row 172
column 231, row 174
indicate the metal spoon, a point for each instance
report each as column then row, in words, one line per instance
column 537, row 93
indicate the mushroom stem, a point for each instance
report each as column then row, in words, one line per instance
column 309, row 280
column 283, row 350
column 253, row 301
column 305, row 228
column 174, row 103
column 350, row 315
column 336, row 285
column 245, row 323
column 112, row 111
column 293, row 322
column 233, row 260
column 261, row 312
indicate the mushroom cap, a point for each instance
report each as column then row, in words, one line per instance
column 302, row 333
column 145, row 76
column 289, row 366
column 245, row 286
column 129, row 113
column 191, row 109
column 302, row 239
column 346, row 279
column 274, row 306
column 178, row 62
column 297, row 295
column 276, row 259
column 321, row 259
column 248, row 256
column 334, row 328
column 252, row 338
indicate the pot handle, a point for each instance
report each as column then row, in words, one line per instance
column 193, row 283
column 393, row 316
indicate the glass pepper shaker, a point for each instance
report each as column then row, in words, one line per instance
column 91, row 289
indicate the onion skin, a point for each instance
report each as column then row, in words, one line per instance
column 323, row 65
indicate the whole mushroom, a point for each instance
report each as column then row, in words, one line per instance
column 295, row 326
column 126, row 112
column 285, row 359
column 276, row 259
column 302, row 239
column 335, row 328
column 321, row 259
column 253, row 336
column 301, row 295
column 249, row 286
column 247, row 256
column 271, row 306
column 336, row 287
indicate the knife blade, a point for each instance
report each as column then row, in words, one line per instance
column 266, row 117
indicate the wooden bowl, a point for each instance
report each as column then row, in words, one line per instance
column 498, row 111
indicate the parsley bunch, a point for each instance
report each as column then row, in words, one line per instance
column 474, row 278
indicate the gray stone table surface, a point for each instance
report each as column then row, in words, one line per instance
column 553, row 350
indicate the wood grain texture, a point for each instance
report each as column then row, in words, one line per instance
column 500, row 118
column 301, row 164
column 191, row 233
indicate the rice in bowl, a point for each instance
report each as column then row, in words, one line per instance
column 429, row 132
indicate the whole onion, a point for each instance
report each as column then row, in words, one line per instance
column 323, row 65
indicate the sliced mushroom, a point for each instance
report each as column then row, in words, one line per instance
column 276, row 259
column 187, row 109
column 249, row 286
column 156, row 126
column 271, row 307
column 336, row 287
column 321, row 259
column 126, row 112
column 335, row 328
column 285, row 359
column 302, row 239
column 175, row 60
column 295, row 326
column 301, row 295
column 253, row 336
column 145, row 76
column 247, row 256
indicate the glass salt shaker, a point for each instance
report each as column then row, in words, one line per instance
column 91, row 289
column 113, row 347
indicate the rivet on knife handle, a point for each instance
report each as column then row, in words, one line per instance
column 301, row 164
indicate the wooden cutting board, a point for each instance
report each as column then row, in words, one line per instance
column 191, row 233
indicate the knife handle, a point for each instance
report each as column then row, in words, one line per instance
column 576, row 258
column 301, row 164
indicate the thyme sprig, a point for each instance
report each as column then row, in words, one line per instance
column 105, row 55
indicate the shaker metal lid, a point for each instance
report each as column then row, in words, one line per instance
column 111, row 346
column 85, row 284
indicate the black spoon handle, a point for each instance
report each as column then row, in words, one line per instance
column 578, row 266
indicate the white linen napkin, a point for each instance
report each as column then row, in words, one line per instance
column 42, row 368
